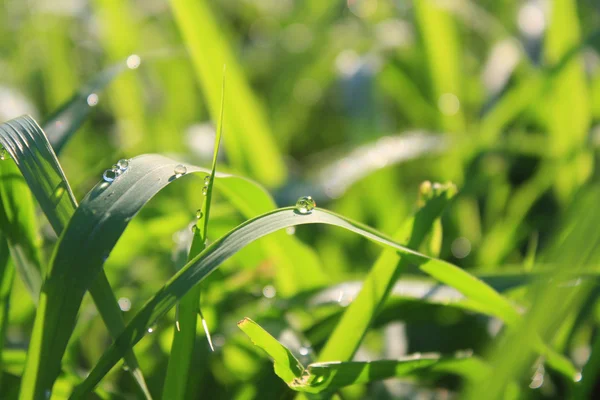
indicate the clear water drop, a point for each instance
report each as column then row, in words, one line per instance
column 206, row 180
column 48, row 394
column 152, row 329
column 123, row 164
column 199, row 214
column 204, row 190
column 117, row 170
column 305, row 205
column 109, row 175
column 2, row 154
column 125, row 367
column 194, row 228
column 180, row 170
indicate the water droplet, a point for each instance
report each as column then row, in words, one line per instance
column 461, row 247
column 125, row 367
column 92, row 99
column 151, row 329
column 2, row 154
column 133, row 61
column 123, row 164
column 578, row 377
column 305, row 205
column 269, row 291
column 48, row 393
column 206, row 180
column 124, row 304
column 194, row 228
column 109, row 175
column 117, row 170
column 180, row 170
column 290, row 230
column 204, row 190
column 177, row 318
column 199, row 213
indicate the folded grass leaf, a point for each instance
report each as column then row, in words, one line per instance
column 329, row 376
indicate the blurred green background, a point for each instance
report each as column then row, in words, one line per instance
column 353, row 102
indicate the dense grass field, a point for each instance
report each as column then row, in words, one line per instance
column 279, row 199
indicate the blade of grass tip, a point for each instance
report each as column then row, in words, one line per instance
column 223, row 248
column 7, row 273
column 30, row 149
column 189, row 307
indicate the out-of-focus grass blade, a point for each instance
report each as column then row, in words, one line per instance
column 210, row 259
column 29, row 147
column 442, row 49
column 286, row 365
column 66, row 120
column 567, row 126
column 328, row 376
column 7, row 273
column 19, row 226
column 248, row 141
column 355, row 322
column 184, row 337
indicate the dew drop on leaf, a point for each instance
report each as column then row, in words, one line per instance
column 305, row 205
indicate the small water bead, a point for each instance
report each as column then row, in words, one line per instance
column 304, row 351
column 199, row 214
column 123, row 164
column 180, row 170
column 269, row 291
column 109, row 175
column 117, row 170
column 151, row 329
column 2, row 154
column 206, row 180
column 204, row 190
column 305, row 205
column 194, row 228
column 133, row 61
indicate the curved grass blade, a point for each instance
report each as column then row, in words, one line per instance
column 189, row 307
column 210, row 259
column 34, row 156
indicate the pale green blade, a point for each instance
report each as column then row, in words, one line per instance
column 248, row 141
column 210, row 259
column 29, row 147
column 328, row 376
column 286, row 365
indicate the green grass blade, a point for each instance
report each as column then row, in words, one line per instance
column 249, row 141
column 7, row 273
column 18, row 224
column 356, row 320
column 34, row 156
column 329, row 376
column 286, row 365
column 210, row 259
column 184, row 337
